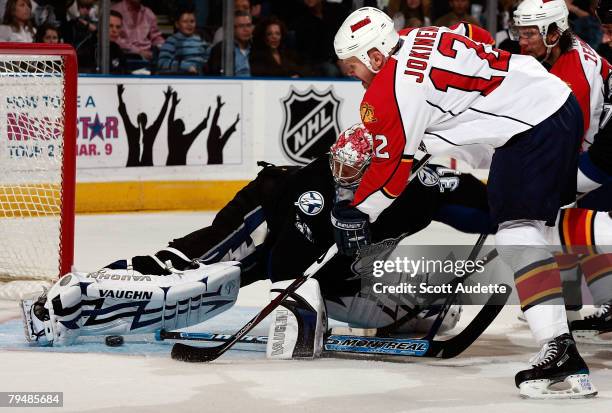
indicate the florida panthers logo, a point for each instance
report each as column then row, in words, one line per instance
column 311, row 124
column 311, row 202
column 366, row 111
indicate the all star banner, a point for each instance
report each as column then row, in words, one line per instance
column 126, row 123
column 201, row 129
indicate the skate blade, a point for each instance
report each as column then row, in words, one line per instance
column 576, row 386
column 592, row 337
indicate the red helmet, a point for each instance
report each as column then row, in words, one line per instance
column 350, row 155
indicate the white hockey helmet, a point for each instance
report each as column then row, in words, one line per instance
column 541, row 13
column 365, row 29
column 350, row 156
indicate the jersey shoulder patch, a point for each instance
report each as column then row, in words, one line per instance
column 375, row 103
column 476, row 33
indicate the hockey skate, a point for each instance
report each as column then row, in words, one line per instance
column 558, row 372
column 591, row 329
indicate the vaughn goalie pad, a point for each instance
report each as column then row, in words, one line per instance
column 298, row 324
column 122, row 301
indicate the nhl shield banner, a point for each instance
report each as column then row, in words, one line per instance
column 310, row 124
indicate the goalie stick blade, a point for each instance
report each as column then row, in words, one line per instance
column 375, row 345
column 183, row 352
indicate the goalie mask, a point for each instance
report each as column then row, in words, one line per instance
column 350, row 156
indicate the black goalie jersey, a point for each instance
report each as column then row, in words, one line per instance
column 280, row 222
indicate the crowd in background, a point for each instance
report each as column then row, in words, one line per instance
column 277, row 38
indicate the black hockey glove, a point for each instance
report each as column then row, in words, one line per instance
column 351, row 228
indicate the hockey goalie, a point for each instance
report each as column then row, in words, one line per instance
column 273, row 229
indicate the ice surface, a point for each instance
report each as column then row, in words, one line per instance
column 140, row 376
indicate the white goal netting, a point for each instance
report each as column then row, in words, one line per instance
column 32, row 119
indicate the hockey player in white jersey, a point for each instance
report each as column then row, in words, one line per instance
column 457, row 97
column 542, row 30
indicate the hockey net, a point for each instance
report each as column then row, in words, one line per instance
column 37, row 165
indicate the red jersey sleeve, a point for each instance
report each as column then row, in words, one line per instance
column 568, row 69
column 397, row 127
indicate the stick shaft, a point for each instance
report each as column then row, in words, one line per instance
column 189, row 353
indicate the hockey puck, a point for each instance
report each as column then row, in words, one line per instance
column 113, row 341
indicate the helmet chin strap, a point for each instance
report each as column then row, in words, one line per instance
column 546, row 55
column 371, row 69
column 548, row 48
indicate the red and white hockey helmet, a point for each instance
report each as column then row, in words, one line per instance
column 541, row 13
column 350, row 155
column 365, row 29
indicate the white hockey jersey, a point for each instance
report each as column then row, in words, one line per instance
column 455, row 95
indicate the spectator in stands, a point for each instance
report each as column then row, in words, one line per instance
column 47, row 33
column 239, row 5
column 315, row 29
column 256, row 11
column 269, row 56
column 243, row 32
column 140, row 32
column 44, row 11
column 117, row 57
column 584, row 22
column 82, row 33
column 184, row 51
column 604, row 13
column 115, row 26
column 410, row 13
column 17, row 24
column 460, row 12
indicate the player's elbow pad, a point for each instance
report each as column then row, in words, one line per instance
column 298, row 324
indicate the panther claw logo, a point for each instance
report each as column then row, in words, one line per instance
column 311, row 124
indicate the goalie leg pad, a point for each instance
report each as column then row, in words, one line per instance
column 122, row 301
column 298, row 324
column 43, row 318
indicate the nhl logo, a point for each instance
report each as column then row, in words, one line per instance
column 311, row 124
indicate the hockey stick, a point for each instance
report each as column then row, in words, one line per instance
column 424, row 347
column 161, row 335
column 184, row 352
column 390, row 346
column 451, row 297
column 412, row 313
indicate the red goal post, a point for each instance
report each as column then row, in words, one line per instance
column 37, row 159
